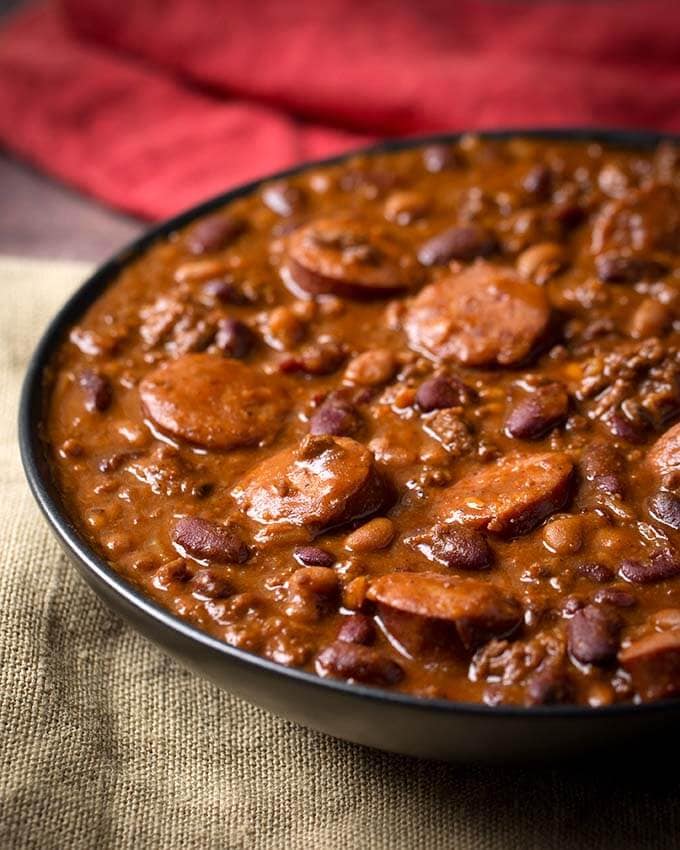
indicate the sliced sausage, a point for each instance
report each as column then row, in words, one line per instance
column 325, row 482
column 511, row 496
column 539, row 412
column 664, row 456
column 654, row 664
column 213, row 401
column 646, row 219
column 482, row 316
column 209, row 540
column 351, row 258
column 478, row 611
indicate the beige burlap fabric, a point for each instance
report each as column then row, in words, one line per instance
column 106, row 743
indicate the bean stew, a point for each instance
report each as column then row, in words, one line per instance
column 410, row 420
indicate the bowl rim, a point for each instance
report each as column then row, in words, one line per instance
column 44, row 490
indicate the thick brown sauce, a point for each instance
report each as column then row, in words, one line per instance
column 555, row 528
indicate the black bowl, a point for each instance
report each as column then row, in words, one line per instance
column 390, row 721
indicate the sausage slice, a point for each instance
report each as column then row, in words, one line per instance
column 482, row 316
column 213, row 402
column 478, row 611
column 326, row 481
column 351, row 258
column 664, row 456
column 511, row 496
column 653, row 662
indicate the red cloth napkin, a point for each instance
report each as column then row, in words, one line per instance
column 156, row 104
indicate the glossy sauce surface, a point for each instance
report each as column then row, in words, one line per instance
column 407, row 421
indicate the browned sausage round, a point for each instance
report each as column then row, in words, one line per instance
column 213, row 402
column 511, row 496
column 664, row 456
column 482, row 316
column 643, row 220
column 479, row 611
column 325, row 482
column 653, row 662
column 350, row 258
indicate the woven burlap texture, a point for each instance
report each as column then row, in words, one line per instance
column 107, row 743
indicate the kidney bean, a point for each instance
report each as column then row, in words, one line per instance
column 375, row 534
column 335, row 416
column 538, row 182
column 598, row 573
column 213, row 233
column 359, row 663
column 438, row 158
column 567, row 215
column 313, row 556
column 460, row 547
column 234, row 338
column 548, row 686
column 665, row 507
column 603, row 465
column 593, row 635
column 211, row 585
column 282, row 198
column 619, row 268
column 662, row 565
column 440, row 392
column 226, row 291
column 97, row 389
column 210, row 540
column 538, row 413
column 371, row 368
column 615, row 596
column 463, row 242
column 632, row 431
column 312, row 593
column 358, row 628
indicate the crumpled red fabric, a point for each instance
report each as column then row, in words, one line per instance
column 156, row 104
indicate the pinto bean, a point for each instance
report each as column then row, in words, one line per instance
column 376, row 534
column 481, row 316
column 653, row 662
column 661, row 565
column 541, row 262
column 564, row 535
column 405, row 207
column 209, row 540
column 511, row 496
column 463, row 242
column 651, row 318
column 665, row 507
column 539, row 412
column 363, row 664
column 313, row 592
column 320, row 358
column 358, row 628
column 371, row 368
column 215, row 402
column 593, row 635
column 213, row 233
column 97, row 390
